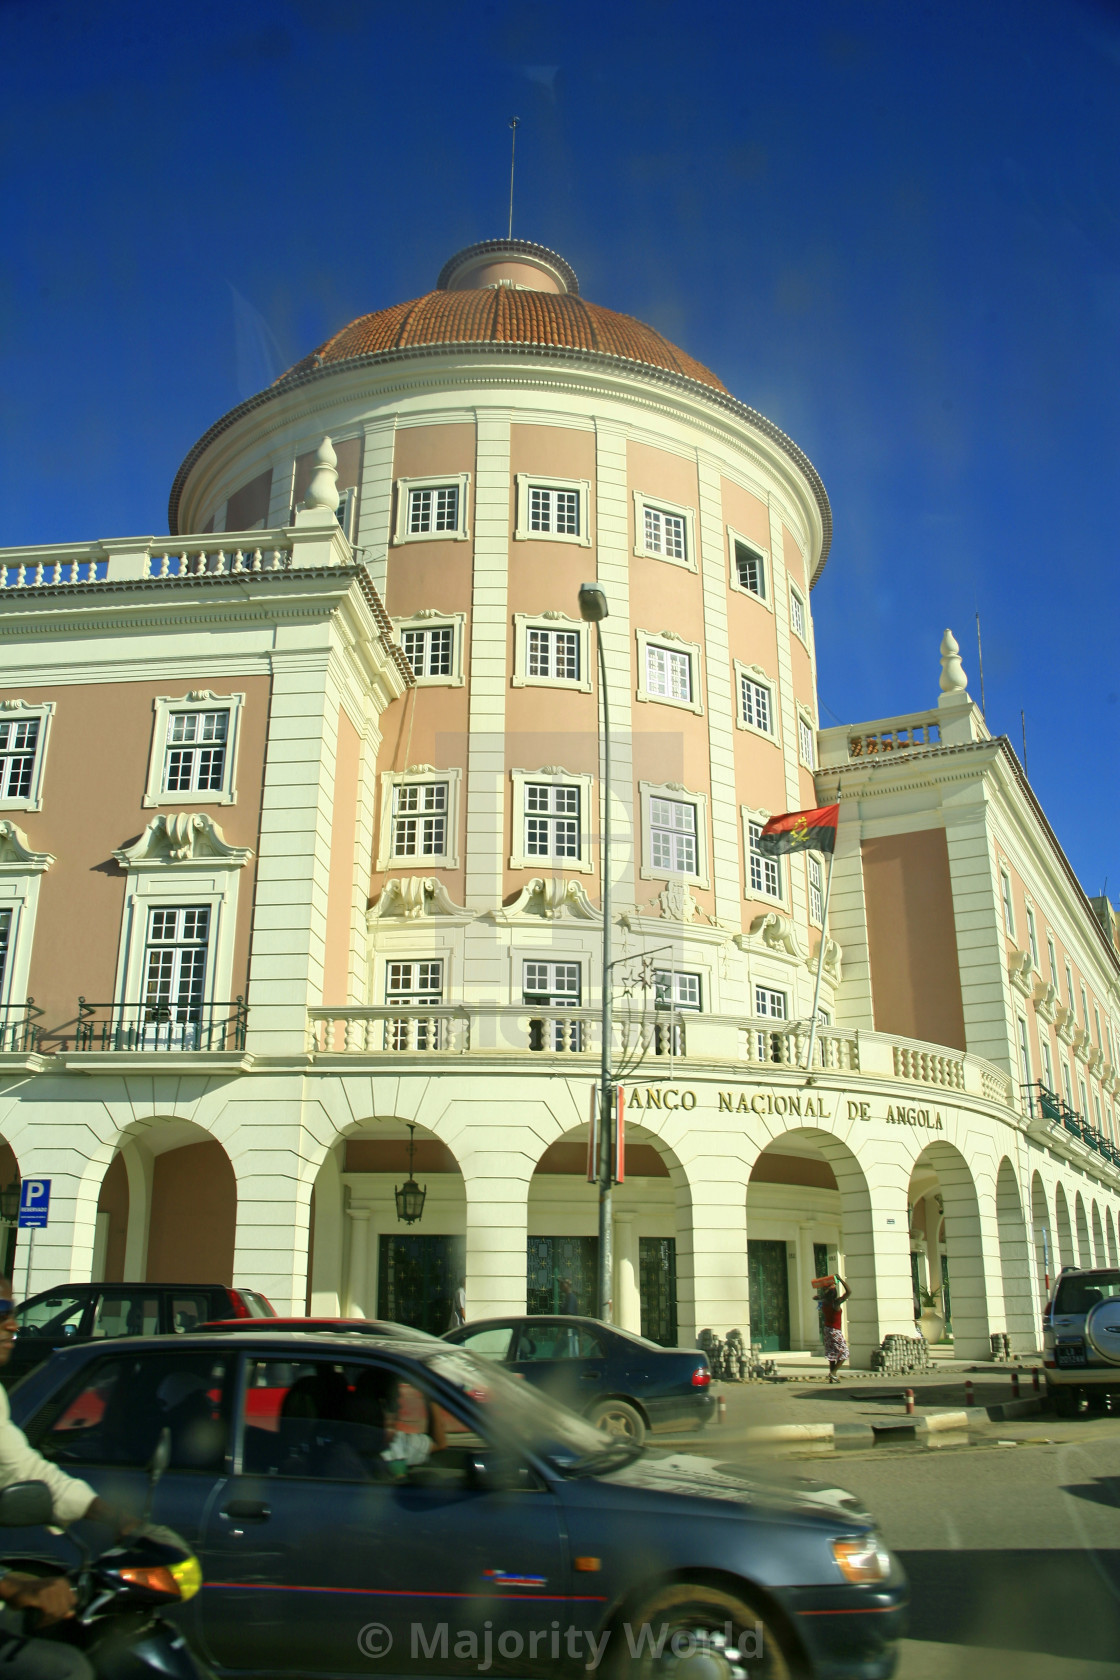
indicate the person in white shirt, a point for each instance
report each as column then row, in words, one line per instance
column 71, row 1500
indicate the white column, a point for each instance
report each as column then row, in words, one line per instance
column 726, row 871
column 612, row 548
column 326, row 1253
column 712, row 1260
column 265, row 1136
column 803, row 1331
column 140, row 1168
column 357, row 1272
column 627, row 1283
column 497, row 1232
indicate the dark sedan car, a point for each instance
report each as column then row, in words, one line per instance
column 616, row 1379
column 83, row 1312
column 366, row 1504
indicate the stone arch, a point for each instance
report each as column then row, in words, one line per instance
column 1043, row 1238
column 1084, row 1252
column 652, row 1235
column 964, row 1285
column 1098, row 1237
column 1110, row 1238
column 166, row 1206
column 1064, row 1229
column 787, row 1158
column 364, row 1262
column 1014, row 1259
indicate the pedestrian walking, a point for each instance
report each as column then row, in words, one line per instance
column 829, row 1303
column 569, row 1300
column 459, row 1306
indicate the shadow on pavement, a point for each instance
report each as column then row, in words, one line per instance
column 1063, row 1603
column 1102, row 1490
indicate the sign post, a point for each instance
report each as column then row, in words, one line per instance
column 34, row 1211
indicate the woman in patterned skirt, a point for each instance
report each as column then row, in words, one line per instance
column 830, row 1302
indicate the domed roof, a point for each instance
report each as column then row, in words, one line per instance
column 506, row 314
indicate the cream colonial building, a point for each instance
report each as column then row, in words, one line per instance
column 299, row 848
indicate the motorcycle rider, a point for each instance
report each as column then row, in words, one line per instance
column 73, row 1500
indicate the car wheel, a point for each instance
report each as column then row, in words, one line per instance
column 1097, row 1398
column 709, row 1634
column 1065, row 1401
column 618, row 1417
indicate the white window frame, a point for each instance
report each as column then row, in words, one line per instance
column 432, row 619
column 659, row 505
column 523, row 623
column 1053, row 960
column 805, row 722
column 420, row 863
column 756, row 675
column 1025, row 1052
column 346, row 510
column 752, row 894
column 524, row 483
column 21, row 870
column 401, row 1002
column 814, row 888
column 802, row 634
column 679, row 794
column 674, row 644
column 159, row 881
column 197, row 700
column 20, row 711
column 1047, row 1061
column 1032, row 938
column 675, row 1003
column 770, row 992
column 557, row 776
column 434, row 481
column 551, row 961
column 766, row 600
column 1008, row 904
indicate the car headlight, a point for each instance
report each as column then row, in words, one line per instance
column 863, row 1560
column 187, row 1576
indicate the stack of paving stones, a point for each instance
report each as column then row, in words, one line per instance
column 897, row 1356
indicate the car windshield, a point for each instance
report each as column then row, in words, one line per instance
column 1077, row 1293
column 514, row 1410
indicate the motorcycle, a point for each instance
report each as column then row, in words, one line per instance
column 120, row 1594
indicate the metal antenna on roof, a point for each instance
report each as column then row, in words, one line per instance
column 514, row 122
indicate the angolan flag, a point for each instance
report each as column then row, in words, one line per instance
column 801, row 831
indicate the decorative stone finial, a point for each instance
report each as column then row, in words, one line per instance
column 322, row 492
column 953, row 679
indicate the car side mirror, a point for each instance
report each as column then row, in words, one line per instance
column 26, row 1505
column 492, row 1471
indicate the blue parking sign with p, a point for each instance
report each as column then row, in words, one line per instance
column 34, row 1203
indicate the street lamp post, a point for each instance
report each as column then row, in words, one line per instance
column 593, row 609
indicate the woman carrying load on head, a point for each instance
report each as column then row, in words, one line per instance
column 829, row 1302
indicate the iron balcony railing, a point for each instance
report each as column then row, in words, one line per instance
column 1048, row 1105
column 19, row 1027
column 162, row 1026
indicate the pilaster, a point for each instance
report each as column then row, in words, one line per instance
column 727, row 882
column 612, row 535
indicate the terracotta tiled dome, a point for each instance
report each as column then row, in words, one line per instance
column 505, row 315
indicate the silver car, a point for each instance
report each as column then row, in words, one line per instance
column 1081, row 1340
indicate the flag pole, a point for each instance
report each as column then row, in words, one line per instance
column 820, row 963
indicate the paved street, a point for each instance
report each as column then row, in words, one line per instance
column 1013, row 1550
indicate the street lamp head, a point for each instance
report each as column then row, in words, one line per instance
column 592, row 602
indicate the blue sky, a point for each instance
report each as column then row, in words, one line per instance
column 893, row 229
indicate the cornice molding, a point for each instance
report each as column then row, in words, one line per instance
column 16, row 856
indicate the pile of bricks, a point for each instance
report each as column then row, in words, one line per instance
column 898, row 1355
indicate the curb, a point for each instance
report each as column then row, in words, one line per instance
column 1009, row 1409
column 838, row 1436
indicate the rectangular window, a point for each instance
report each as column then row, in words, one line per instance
column 1069, row 986
column 436, row 509
column 673, row 990
column 1084, row 1009
column 765, row 871
column 414, row 985
column 430, row 652
column 195, row 756
column 553, row 653
column 672, row 829
column 750, row 568
column 18, row 742
column 1008, row 913
column 1024, row 1054
column 551, row 821
column 805, row 741
column 668, row 673
column 1084, row 1097
column 1047, row 1066
column 5, row 940
column 768, row 1004
column 756, row 703
column 175, row 975
column 553, row 985
column 1053, row 960
column 1097, row 1024
column 554, row 510
column 816, row 891
column 664, row 534
column 1032, row 936
column 1067, row 1085
column 797, row 613
column 420, row 819
column 1097, row 1107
